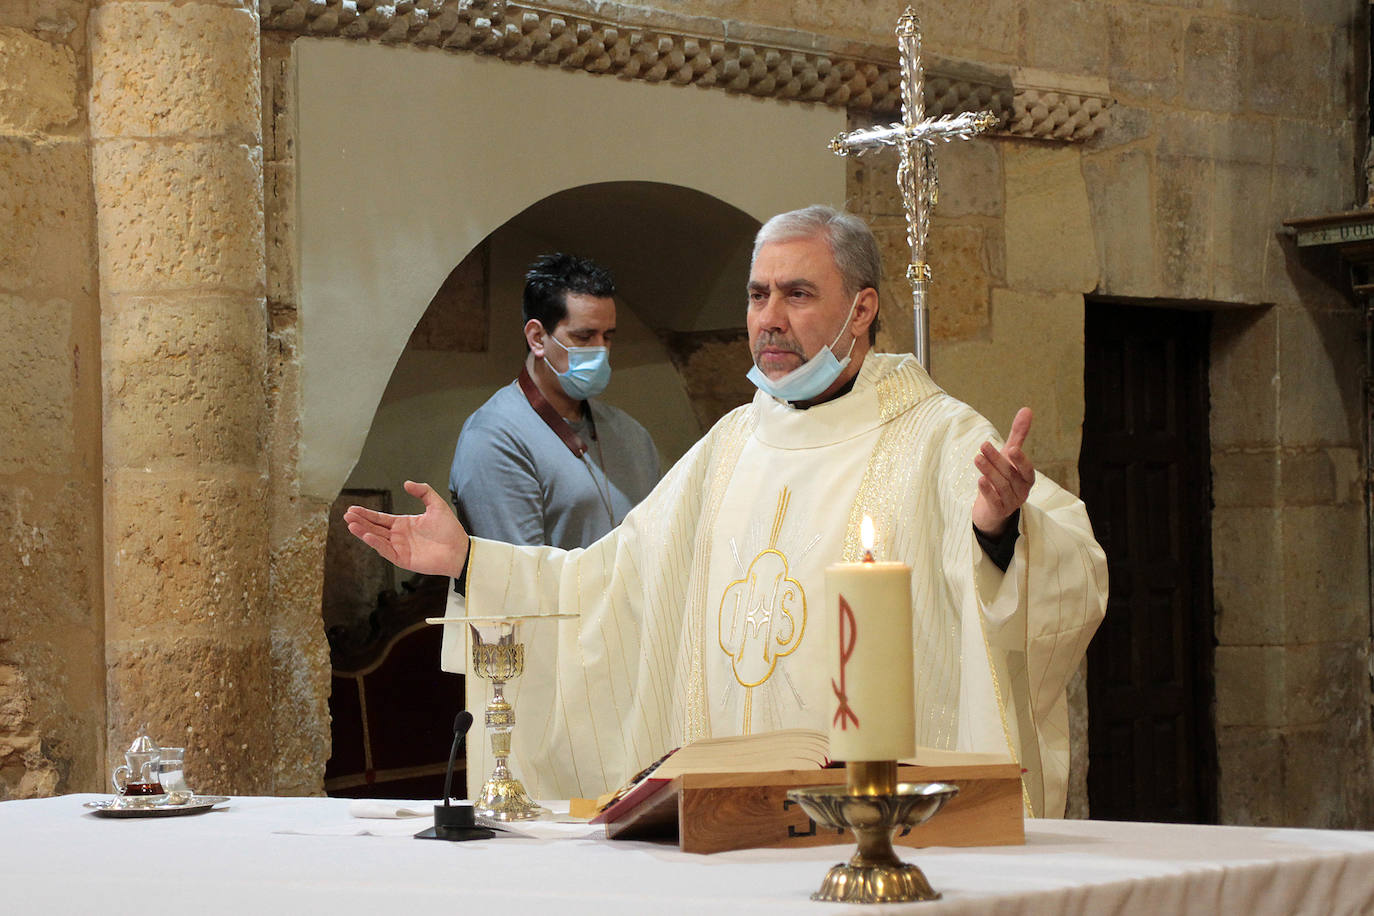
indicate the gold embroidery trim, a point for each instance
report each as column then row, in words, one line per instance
column 747, row 599
column 740, row 426
column 889, row 494
column 784, row 500
column 902, row 387
column 1002, row 715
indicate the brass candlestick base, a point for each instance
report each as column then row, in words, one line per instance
column 498, row 656
column 874, row 806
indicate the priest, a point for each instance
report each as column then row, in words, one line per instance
column 697, row 615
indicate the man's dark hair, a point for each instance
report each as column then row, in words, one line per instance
column 552, row 276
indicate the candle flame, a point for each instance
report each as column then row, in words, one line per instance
column 866, row 534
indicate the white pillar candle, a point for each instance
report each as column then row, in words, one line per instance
column 868, row 632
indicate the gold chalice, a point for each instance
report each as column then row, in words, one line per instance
column 498, row 655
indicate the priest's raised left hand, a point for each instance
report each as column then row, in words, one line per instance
column 433, row 542
column 1007, row 477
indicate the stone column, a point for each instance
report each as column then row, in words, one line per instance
column 177, row 167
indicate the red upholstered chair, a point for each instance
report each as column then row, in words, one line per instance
column 392, row 708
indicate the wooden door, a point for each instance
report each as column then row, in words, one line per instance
column 1145, row 477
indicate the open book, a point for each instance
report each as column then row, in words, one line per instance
column 788, row 749
column 767, row 752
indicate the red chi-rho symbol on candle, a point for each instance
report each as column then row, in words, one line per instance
column 849, row 633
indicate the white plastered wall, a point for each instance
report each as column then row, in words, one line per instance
column 408, row 158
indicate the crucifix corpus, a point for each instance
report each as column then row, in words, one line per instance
column 915, row 136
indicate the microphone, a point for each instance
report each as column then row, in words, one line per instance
column 455, row 822
column 461, row 723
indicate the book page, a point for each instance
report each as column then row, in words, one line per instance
column 791, row 749
column 788, row 749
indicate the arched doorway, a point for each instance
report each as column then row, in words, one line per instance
column 679, row 290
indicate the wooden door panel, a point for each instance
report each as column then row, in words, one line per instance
column 1145, row 474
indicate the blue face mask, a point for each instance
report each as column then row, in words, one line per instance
column 813, row 376
column 589, row 370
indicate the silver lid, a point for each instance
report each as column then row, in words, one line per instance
column 143, row 744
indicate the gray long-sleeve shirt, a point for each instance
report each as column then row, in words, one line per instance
column 514, row 480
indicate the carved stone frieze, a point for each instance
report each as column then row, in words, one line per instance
column 1053, row 106
column 658, row 46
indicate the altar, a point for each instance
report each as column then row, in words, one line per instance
column 310, row 855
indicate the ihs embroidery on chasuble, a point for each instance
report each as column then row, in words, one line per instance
column 762, row 616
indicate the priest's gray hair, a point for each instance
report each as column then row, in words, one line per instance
column 851, row 242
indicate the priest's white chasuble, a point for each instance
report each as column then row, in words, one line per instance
column 699, row 615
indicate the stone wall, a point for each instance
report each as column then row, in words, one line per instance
column 299, row 525
column 52, row 648
column 1229, row 121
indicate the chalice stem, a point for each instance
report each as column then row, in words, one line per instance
column 500, row 721
column 499, row 660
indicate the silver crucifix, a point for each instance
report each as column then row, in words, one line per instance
column 915, row 136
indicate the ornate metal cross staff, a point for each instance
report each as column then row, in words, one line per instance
column 915, row 136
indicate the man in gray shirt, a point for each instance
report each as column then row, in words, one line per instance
column 541, row 462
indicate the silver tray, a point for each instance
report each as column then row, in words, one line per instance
column 199, row 804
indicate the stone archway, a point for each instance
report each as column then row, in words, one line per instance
column 673, row 292
column 665, row 295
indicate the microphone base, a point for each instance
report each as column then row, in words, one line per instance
column 456, row 824
column 454, row 816
column 455, row 834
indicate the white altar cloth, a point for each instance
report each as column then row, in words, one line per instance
column 295, row 855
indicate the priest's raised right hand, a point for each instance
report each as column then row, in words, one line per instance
column 433, row 542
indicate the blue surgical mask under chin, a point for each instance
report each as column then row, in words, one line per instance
column 810, row 378
column 589, row 370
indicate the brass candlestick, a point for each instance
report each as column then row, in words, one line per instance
column 874, row 805
column 498, row 656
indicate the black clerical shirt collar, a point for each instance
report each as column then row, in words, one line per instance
column 841, row 392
